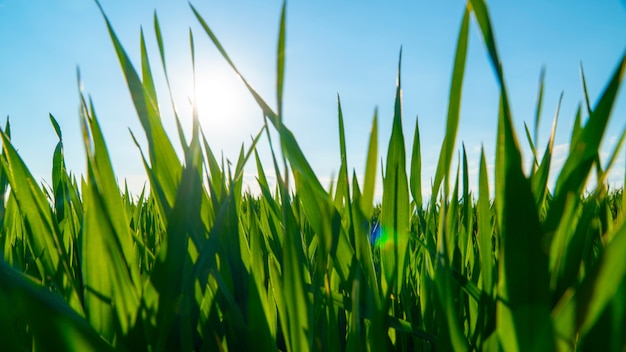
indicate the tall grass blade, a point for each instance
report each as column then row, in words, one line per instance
column 523, row 309
column 395, row 206
column 164, row 162
column 573, row 175
column 454, row 109
column 111, row 300
column 416, row 168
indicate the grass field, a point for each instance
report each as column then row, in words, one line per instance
column 196, row 263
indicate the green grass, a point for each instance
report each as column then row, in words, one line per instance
column 196, row 263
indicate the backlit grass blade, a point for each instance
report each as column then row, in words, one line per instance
column 295, row 296
column 577, row 312
column 467, row 218
column 447, row 290
column 395, row 206
column 107, row 241
column 454, row 109
column 542, row 79
column 577, row 127
column 42, row 231
column 363, row 228
column 369, row 181
column 485, row 230
column 533, row 150
column 274, row 118
column 416, row 168
column 523, row 279
column 575, row 171
column 523, row 309
column 612, row 159
column 343, row 190
column 599, row 170
column 4, row 182
column 280, row 62
column 539, row 180
column 290, row 148
column 163, row 159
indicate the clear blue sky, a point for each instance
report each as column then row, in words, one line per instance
column 347, row 47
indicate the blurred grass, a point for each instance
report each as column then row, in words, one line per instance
column 196, row 263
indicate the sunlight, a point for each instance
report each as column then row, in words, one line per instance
column 227, row 112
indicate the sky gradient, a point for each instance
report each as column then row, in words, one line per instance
column 348, row 48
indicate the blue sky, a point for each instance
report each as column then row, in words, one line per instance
column 348, row 48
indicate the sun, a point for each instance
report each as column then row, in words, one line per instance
column 227, row 112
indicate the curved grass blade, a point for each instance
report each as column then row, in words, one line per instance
column 539, row 180
column 523, row 311
column 107, row 244
column 576, row 169
column 164, row 162
column 55, row 326
column 52, row 260
column 579, row 311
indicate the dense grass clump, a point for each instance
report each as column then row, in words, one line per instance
column 196, row 263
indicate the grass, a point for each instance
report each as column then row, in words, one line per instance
column 196, row 263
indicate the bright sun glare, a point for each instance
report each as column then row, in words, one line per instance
column 227, row 113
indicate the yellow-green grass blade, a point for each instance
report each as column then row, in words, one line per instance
column 612, row 159
column 542, row 79
column 297, row 304
column 573, row 175
column 571, row 244
column 280, row 61
column 363, row 228
column 157, row 191
column 217, row 178
column 450, row 336
column 343, row 203
column 163, row 159
column 533, row 150
column 262, row 317
column 276, row 282
column 239, row 170
column 107, row 245
column 485, row 230
column 43, row 234
column 447, row 289
column 4, row 181
column 523, row 281
column 395, row 206
column 599, row 170
column 454, row 109
column 577, row 128
column 265, row 189
column 523, row 288
column 58, row 169
column 343, row 191
column 578, row 311
column 416, row 168
column 369, row 181
column 55, row 326
column 539, row 180
column 291, row 149
column 465, row 241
